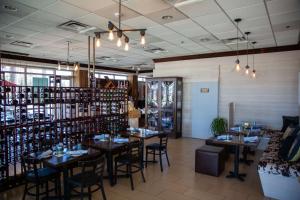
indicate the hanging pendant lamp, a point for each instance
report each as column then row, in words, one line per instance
column 253, row 67
column 237, row 62
column 247, row 67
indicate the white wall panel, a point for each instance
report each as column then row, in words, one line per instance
column 272, row 94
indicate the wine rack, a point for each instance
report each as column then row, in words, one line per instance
column 37, row 117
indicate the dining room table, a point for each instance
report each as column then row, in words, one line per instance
column 236, row 141
column 67, row 160
column 109, row 146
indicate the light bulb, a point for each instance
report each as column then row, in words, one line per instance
column 247, row 71
column 237, row 67
column 59, row 67
column 254, row 74
column 143, row 41
column 68, row 67
column 111, row 35
column 119, row 42
column 98, row 42
column 126, row 48
column 76, row 67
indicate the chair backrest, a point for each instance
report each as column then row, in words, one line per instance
column 135, row 151
column 163, row 139
column 29, row 164
column 94, row 166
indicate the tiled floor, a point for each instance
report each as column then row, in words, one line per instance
column 179, row 182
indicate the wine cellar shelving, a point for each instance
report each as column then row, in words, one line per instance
column 35, row 117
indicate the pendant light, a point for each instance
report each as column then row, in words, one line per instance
column 253, row 71
column 68, row 56
column 119, row 42
column 98, row 42
column 237, row 62
column 76, row 66
column 247, row 67
column 58, row 67
column 126, row 47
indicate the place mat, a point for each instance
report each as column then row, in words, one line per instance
column 224, row 137
column 251, row 139
column 121, row 140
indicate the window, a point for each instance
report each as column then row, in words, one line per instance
column 40, row 71
column 120, row 77
column 37, row 80
column 12, row 69
column 18, row 79
column 64, row 73
column 110, row 76
column 142, row 79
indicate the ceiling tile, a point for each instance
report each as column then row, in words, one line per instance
column 172, row 12
column 206, row 7
column 287, row 37
column 111, row 12
column 90, row 5
column 213, row 19
column 65, row 10
column 254, row 11
column 31, row 25
column 140, row 22
column 37, row 3
column 21, row 10
column 225, row 35
column 248, row 24
column 287, row 26
column 187, row 28
column 220, row 28
column 233, row 4
column 94, row 20
column 146, row 6
column 279, row 6
column 6, row 19
column 17, row 30
column 285, row 18
column 46, row 18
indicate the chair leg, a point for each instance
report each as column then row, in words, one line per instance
column 130, row 175
column 59, row 187
column 37, row 195
column 25, row 192
column 81, row 193
column 146, row 157
column 160, row 161
column 102, row 190
column 153, row 151
column 166, row 152
column 116, row 172
column 144, row 180
column 47, row 190
column 90, row 194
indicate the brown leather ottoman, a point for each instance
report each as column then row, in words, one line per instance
column 210, row 160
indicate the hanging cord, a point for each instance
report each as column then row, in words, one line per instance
column 237, row 40
column 247, row 48
column 119, row 14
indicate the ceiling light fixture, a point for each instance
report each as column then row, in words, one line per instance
column 98, row 42
column 120, row 32
column 10, row 8
column 247, row 67
column 167, row 17
column 253, row 71
column 237, row 62
column 76, row 66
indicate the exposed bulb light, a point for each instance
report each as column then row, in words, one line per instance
column 247, row 69
column 254, row 73
column 68, row 67
column 111, row 35
column 98, row 42
column 126, row 47
column 58, row 67
column 119, row 42
column 143, row 41
column 237, row 65
column 76, row 67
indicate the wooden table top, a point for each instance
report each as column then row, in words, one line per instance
column 65, row 160
column 105, row 145
column 236, row 140
column 147, row 134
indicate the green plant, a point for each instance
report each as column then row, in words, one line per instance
column 218, row 126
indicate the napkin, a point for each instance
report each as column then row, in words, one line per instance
column 121, row 140
column 224, row 137
column 251, row 139
column 45, row 154
column 77, row 152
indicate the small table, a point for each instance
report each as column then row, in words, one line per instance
column 236, row 141
column 65, row 162
column 109, row 148
column 142, row 135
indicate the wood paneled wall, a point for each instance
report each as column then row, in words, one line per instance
column 272, row 94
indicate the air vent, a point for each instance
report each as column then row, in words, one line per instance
column 21, row 43
column 107, row 58
column 14, row 53
column 76, row 27
column 156, row 50
column 230, row 41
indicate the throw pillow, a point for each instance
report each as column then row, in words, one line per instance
column 286, row 144
column 294, row 152
column 288, row 120
column 288, row 132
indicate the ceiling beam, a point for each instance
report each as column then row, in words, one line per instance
column 229, row 53
column 55, row 62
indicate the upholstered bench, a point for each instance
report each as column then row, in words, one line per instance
column 210, row 160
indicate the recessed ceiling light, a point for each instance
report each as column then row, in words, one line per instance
column 167, row 17
column 288, row 27
column 10, row 8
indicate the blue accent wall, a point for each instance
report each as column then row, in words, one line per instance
column 204, row 108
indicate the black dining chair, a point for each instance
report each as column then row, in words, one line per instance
column 36, row 177
column 91, row 175
column 158, row 149
column 131, row 159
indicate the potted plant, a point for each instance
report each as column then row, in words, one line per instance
column 218, row 126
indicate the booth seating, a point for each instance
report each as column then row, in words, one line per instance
column 210, row 160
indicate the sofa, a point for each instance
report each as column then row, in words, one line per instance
column 279, row 178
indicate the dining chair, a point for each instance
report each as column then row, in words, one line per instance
column 158, row 149
column 91, row 175
column 38, row 176
column 131, row 159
